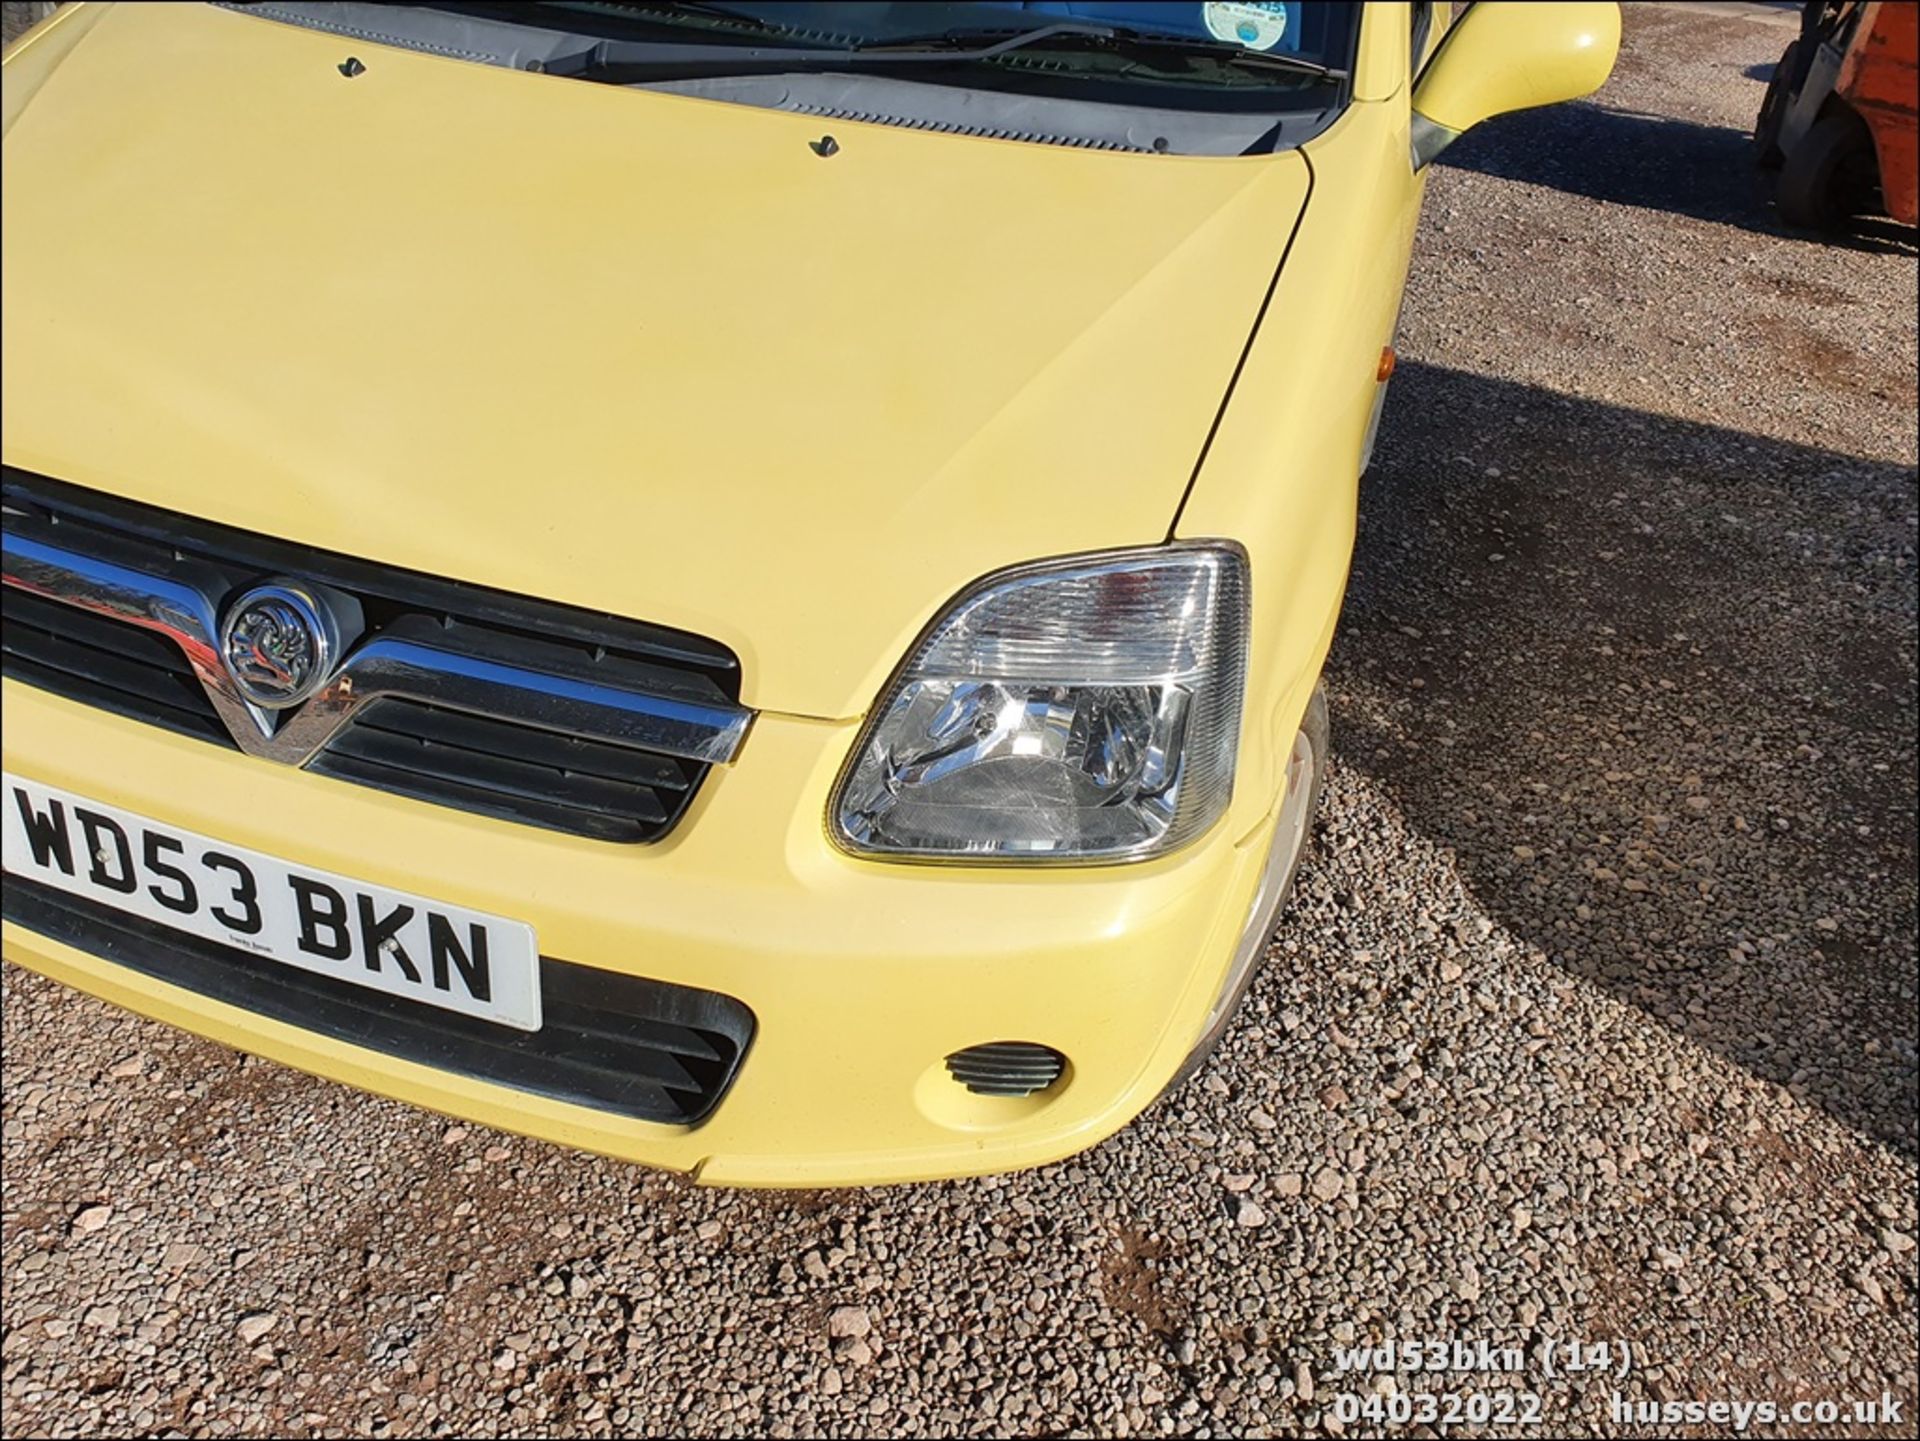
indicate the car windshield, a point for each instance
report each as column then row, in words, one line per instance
column 1240, row 47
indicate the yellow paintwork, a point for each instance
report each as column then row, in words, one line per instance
column 1515, row 54
column 862, row 976
column 794, row 409
column 650, row 354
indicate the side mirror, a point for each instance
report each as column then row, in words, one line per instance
column 1511, row 55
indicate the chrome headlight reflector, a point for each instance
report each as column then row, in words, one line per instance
column 1083, row 710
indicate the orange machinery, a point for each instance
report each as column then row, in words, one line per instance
column 1841, row 119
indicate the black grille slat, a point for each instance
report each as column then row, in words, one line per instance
column 508, row 775
column 129, row 671
column 610, row 1056
column 590, row 786
column 485, row 736
column 686, row 1043
column 138, row 708
column 92, row 666
column 99, row 632
column 672, row 1064
column 592, row 824
column 480, row 763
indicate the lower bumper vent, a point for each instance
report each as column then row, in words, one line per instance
column 640, row 1048
column 1006, row 1068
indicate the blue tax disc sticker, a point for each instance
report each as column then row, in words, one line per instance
column 1257, row 27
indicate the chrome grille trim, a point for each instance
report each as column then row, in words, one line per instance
column 408, row 660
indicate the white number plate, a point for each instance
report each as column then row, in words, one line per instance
column 332, row 925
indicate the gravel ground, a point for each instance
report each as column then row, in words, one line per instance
column 1594, row 1015
column 17, row 18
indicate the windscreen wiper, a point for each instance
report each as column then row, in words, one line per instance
column 1119, row 38
column 619, row 60
column 624, row 61
column 1227, row 53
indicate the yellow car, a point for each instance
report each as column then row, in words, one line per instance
column 736, row 585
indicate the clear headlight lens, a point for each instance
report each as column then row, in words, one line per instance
column 1083, row 709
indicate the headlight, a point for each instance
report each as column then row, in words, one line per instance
column 1076, row 710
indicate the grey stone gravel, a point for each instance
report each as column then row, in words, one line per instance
column 17, row 18
column 1593, row 1015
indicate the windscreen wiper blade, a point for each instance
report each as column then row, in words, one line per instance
column 1225, row 51
column 623, row 61
column 617, row 60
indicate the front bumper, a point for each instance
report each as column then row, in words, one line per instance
column 863, row 976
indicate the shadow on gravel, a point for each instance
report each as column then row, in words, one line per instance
column 1653, row 683
column 1651, row 161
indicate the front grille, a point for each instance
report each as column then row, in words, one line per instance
column 640, row 1048
column 105, row 663
column 605, row 786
